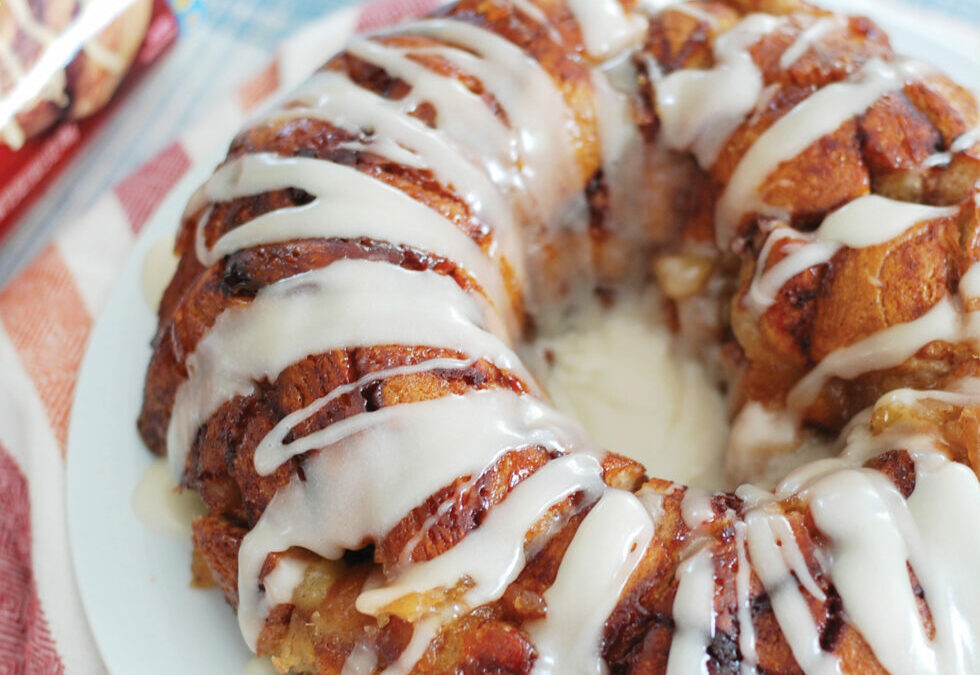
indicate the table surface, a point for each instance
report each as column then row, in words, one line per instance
column 221, row 43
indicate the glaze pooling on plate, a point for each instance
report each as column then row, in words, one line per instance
column 159, row 506
column 515, row 163
column 591, row 373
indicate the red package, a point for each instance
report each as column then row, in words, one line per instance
column 63, row 66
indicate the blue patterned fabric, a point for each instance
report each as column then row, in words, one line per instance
column 968, row 9
column 281, row 16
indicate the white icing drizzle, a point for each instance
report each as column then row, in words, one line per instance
column 422, row 634
column 537, row 14
column 820, row 114
column 607, row 547
column 492, row 555
column 963, row 142
column 103, row 56
column 385, row 147
column 694, row 615
column 694, row 606
column 767, row 552
column 349, row 303
column 651, row 7
column 362, row 474
column 530, row 8
column 606, row 28
column 699, row 109
column 283, row 579
column 969, row 287
column 531, row 162
column 619, row 138
column 365, row 458
column 783, row 532
column 743, row 600
column 362, row 660
column 653, row 501
column 943, row 506
column 333, row 97
column 807, row 253
column 544, row 161
column 696, row 507
column 405, row 557
column 887, row 348
column 871, row 220
column 849, row 507
column 866, row 221
column 44, row 36
column 871, row 527
column 347, row 204
column 695, row 12
column 458, row 109
column 13, row 134
column 353, row 490
column 273, row 451
column 966, row 392
column 966, row 140
column 809, row 38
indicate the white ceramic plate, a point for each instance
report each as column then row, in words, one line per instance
column 135, row 582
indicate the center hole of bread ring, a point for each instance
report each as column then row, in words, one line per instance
column 618, row 369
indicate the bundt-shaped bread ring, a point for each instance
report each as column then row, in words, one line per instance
column 388, row 488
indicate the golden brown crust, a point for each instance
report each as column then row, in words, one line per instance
column 197, row 296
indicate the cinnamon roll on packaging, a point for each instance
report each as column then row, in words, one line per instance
column 62, row 62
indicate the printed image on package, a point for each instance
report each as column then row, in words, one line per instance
column 61, row 62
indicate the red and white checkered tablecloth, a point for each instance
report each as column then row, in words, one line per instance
column 46, row 313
